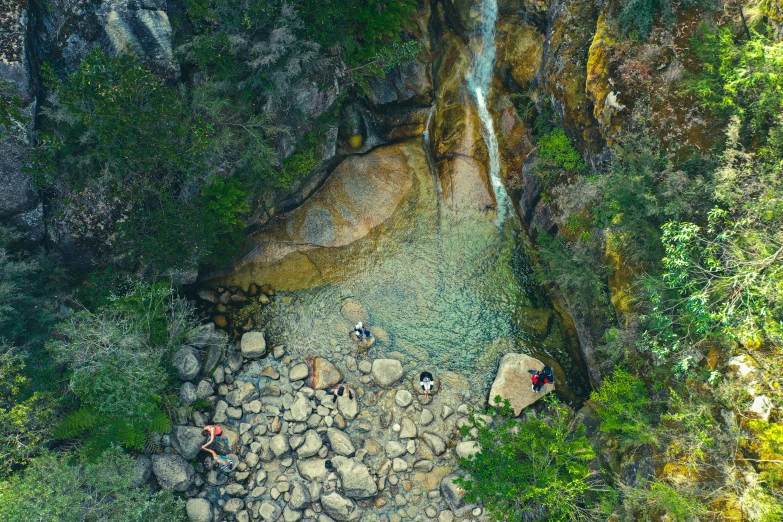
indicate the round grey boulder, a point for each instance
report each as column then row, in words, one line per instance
column 187, row 362
column 172, row 471
column 187, row 440
column 199, row 510
column 387, row 371
column 253, row 345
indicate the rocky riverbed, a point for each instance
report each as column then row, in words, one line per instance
column 386, row 454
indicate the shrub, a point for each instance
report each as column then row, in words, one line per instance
column 534, row 470
column 638, row 16
column 556, row 151
column 57, row 487
column 10, row 107
column 650, row 501
column 26, row 415
column 118, row 366
column 623, row 404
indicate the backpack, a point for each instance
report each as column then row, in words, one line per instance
column 548, row 374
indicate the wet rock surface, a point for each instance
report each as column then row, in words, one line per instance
column 303, row 454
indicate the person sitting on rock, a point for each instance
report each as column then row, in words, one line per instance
column 362, row 332
column 542, row 377
column 426, row 381
column 214, row 432
column 548, row 374
column 341, row 390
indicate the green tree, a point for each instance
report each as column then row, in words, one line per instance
column 534, row 470
column 57, row 487
column 556, row 151
column 114, row 128
column 118, row 367
column 623, row 404
column 740, row 78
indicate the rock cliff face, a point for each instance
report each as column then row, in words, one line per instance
column 66, row 30
column 417, row 129
column 18, row 201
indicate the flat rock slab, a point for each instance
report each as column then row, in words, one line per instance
column 387, row 371
column 323, row 374
column 353, row 310
column 513, row 382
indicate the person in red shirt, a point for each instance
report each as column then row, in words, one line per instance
column 542, row 377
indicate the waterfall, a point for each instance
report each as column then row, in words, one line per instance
column 479, row 83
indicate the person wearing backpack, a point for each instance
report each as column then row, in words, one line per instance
column 542, row 377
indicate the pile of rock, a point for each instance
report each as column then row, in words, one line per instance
column 380, row 454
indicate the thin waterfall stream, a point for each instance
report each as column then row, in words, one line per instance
column 479, row 82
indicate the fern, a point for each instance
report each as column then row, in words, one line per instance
column 105, row 431
column 159, row 422
column 76, row 423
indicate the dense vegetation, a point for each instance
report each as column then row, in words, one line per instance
column 690, row 243
column 674, row 254
column 525, row 469
column 150, row 177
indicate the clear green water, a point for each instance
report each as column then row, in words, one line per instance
column 446, row 285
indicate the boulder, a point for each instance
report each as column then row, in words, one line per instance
column 228, row 441
column 340, row 442
column 298, row 372
column 187, row 362
column 403, row 398
column 172, row 471
column 199, row 510
column 407, row 429
column 253, row 345
column 269, row 511
column 386, row 372
column 312, row 469
column 291, row 515
column 436, row 444
column 513, row 382
column 243, row 393
column 234, row 506
column 300, row 497
column 187, row 440
column 355, row 479
column 188, row 394
column 142, row 470
column 204, row 389
column 348, row 407
column 213, row 357
column 340, row 508
column 301, row 408
column 323, row 374
column 279, row 444
column 394, row 449
column 312, row 443
column 452, row 494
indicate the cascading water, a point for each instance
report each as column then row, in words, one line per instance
column 483, row 45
